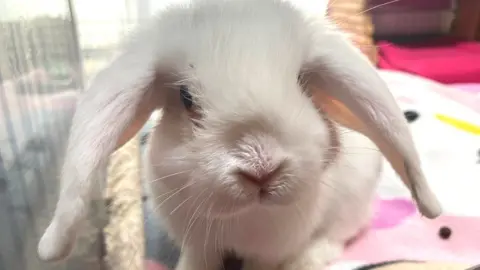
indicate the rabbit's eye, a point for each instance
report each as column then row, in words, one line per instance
column 186, row 97
column 301, row 82
column 192, row 109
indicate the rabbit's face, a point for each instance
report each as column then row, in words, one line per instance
column 241, row 138
column 252, row 136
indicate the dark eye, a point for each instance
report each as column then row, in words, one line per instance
column 302, row 82
column 186, row 97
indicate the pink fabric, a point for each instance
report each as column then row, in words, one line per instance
column 445, row 60
column 468, row 96
column 410, row 236
column 473, row 88
column 152, row 265
column 390, row 213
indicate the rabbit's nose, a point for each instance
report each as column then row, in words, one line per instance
column 260, row 177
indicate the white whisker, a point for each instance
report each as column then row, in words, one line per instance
column 168, row 176
column 207, row 228
column 180, row 205
column 193, row 218
column 330, row 4
column 175, row 193
column 377, row 6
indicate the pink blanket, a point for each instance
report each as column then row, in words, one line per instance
column 446, row 60
column 451, row 162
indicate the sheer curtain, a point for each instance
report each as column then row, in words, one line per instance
column 48, row 49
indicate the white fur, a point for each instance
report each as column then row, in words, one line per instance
column 241, row 60
column 323, row 209
column 255, row 115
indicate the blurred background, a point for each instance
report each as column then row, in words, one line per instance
column 50, row 49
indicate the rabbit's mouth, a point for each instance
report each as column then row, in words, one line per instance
column 241, row 197
column 266, row 197
column 277, row 193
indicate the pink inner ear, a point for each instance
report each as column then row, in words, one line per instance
column 390, row 213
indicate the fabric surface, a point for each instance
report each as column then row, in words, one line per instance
column 431, row 59
column 469, row 87
column 451, row 162
column 397, row 232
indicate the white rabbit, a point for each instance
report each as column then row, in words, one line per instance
column 255, row 151
column 298, row 218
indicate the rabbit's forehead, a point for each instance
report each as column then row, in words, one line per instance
column 237, row 71
column 245, row 52
column 245, row 59
column 238, row 37
column 232, row 75
column 232, row 48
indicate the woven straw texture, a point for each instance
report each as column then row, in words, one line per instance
column 124, row 233
column 350, row 16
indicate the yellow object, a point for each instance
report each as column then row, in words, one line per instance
column 460, row 124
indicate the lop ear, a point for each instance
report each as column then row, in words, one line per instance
column 115, row 106
column 348, row 88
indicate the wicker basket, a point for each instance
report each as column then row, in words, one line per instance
column 124, row 234
column 350, row 16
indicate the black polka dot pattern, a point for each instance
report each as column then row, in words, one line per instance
column 411, row 116
column 445, row 232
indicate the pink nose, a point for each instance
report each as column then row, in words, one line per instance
column 259, row 178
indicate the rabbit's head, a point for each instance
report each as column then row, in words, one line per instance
column 245, row 87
